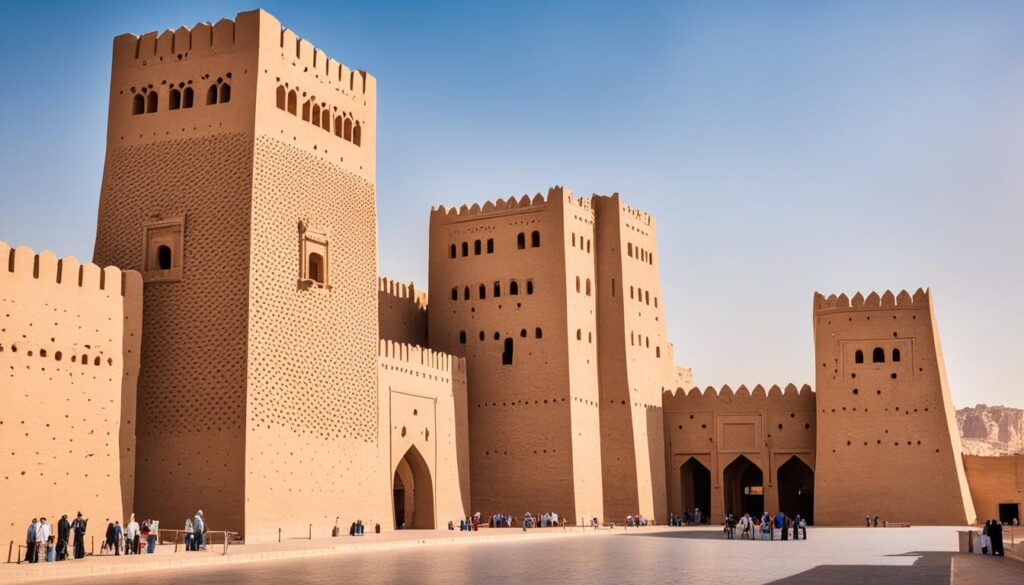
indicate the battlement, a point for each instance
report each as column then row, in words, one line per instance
column 228, row 36
column 887, row 300
column 641, row 216
column 415, row 355
column 400, row 290
column 22, row 263
column 789, row 396
column 442, row 213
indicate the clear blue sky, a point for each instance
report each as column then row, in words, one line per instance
column 784, row 147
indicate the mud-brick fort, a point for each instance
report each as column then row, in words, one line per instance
column 239, row 352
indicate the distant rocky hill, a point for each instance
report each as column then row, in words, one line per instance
column 991, row 430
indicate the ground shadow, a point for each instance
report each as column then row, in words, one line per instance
column 685, row 533
column 930, row 567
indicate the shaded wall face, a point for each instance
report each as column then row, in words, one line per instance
column 885, row 420
column 70, row 357
column 401, row 313
column 513, row 469
column 994, row 481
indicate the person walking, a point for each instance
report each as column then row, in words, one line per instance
column 131, row 537
column 78, row 528
column 63, row 534
column 30, row 541
column 796, row 527
column 118, row 537
column 995, row 534
column 199, row 528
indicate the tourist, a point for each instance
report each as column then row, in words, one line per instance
column 199, row 528
column 118, row 537
column 109, row 537
column 995, row 534
column 63, row 534
column 686, row 518
column 151, row 531
column 189, row 535
column 698, row 518
column 30, row 541
column 78, row 528
column 867, row 521
column 42, row 540
column 787, row 525
column 131, row 536
column 876, row 520
column 352, row 528
column 803, row 527
column 796, row 527
column 984, row 543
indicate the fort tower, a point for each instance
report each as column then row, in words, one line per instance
column 887, row 439
column 239, row 180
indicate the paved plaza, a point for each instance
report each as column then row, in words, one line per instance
column 924, row 555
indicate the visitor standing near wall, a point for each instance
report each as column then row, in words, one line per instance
column 131, row 536
column 42, row 539
column 189, row 535
column 199, row 529
column 78, row 527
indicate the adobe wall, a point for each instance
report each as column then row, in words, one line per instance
column 717, row 427
column 401, row 312
column 635, row 360
column 550, row 387
column 69, row 357
column 426, row 396
column 249, row 179
column 887, row 442
column 994, row 481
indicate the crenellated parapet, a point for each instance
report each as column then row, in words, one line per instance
column 402, row 291
column 443, row 214
column 420, row 361
column 774, row 397
column 23, row 264
column 921, row 299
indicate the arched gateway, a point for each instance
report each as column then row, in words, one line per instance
column 413, row 492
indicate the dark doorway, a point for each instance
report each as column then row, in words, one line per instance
column 1008, row 513
column 413, row 492
column 796, row 489
column 696, row 488
column 743, row 488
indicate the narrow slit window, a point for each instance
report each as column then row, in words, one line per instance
column 490, row 245
column 483, row 292
column 513, row 287
column 521, row 241
column 477, row 248
column 506, row 355
column 535, row 239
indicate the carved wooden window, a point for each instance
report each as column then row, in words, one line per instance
column 314, row 252
column 163, row 250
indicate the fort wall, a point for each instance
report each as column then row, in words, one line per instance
column 70, row 338
column 885, row 416
column 994, row 481
column 401, row 312
column 739, row 439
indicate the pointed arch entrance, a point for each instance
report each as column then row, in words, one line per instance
column 796, row 489
column 413, row 492
column 743, row 487
column 696, row 488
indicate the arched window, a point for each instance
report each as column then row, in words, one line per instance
column 325, row 120
column 490, row 245
column 588, row 287
column 306, row 105
column 163, row 257
column 465, row 249
column 339, row 124
column 174, row 99
column 535, row 239
column 455, row 293
column 895, row 355
column 151, row 102
column 497, row 289
column 347, row 132
column 462, row 337
column 513, row 287
column 521, row 241
column 506, row 356
column 315, row 116
column 465, row 293
column 629, row 249
column 293, row 102
column 282, row 98
column 211, row 95
column 522, row 333
column 225, row 93
column 357, row 134
column 138, row 104
column 316, row 268
column 188, row 98
column 483, row 291
column 859, row 357
column 878, row 355
column 577, row 284
column 537, row 333
column 477, row 248
column 454, row 251
column 529, row 287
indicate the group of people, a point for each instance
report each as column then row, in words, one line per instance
column 686, row 518
column 195, row 532
column 638, row 520
column 130, row 538
column 990, row 541
column 765, row 526
column 41, row 544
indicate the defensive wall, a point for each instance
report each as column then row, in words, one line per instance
column 402, row 312
column 720, row 443
column 997, row 486
column 69, row 363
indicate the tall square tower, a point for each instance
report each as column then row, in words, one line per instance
column 512, row 289
column 239, row 179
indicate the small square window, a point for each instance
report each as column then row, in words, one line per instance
column 314, row 269
column 163, row 250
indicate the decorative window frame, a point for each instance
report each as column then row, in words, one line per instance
column 169, row 232
column 312, row 242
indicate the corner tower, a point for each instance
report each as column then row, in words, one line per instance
column 885, row 416
column 239, row 179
